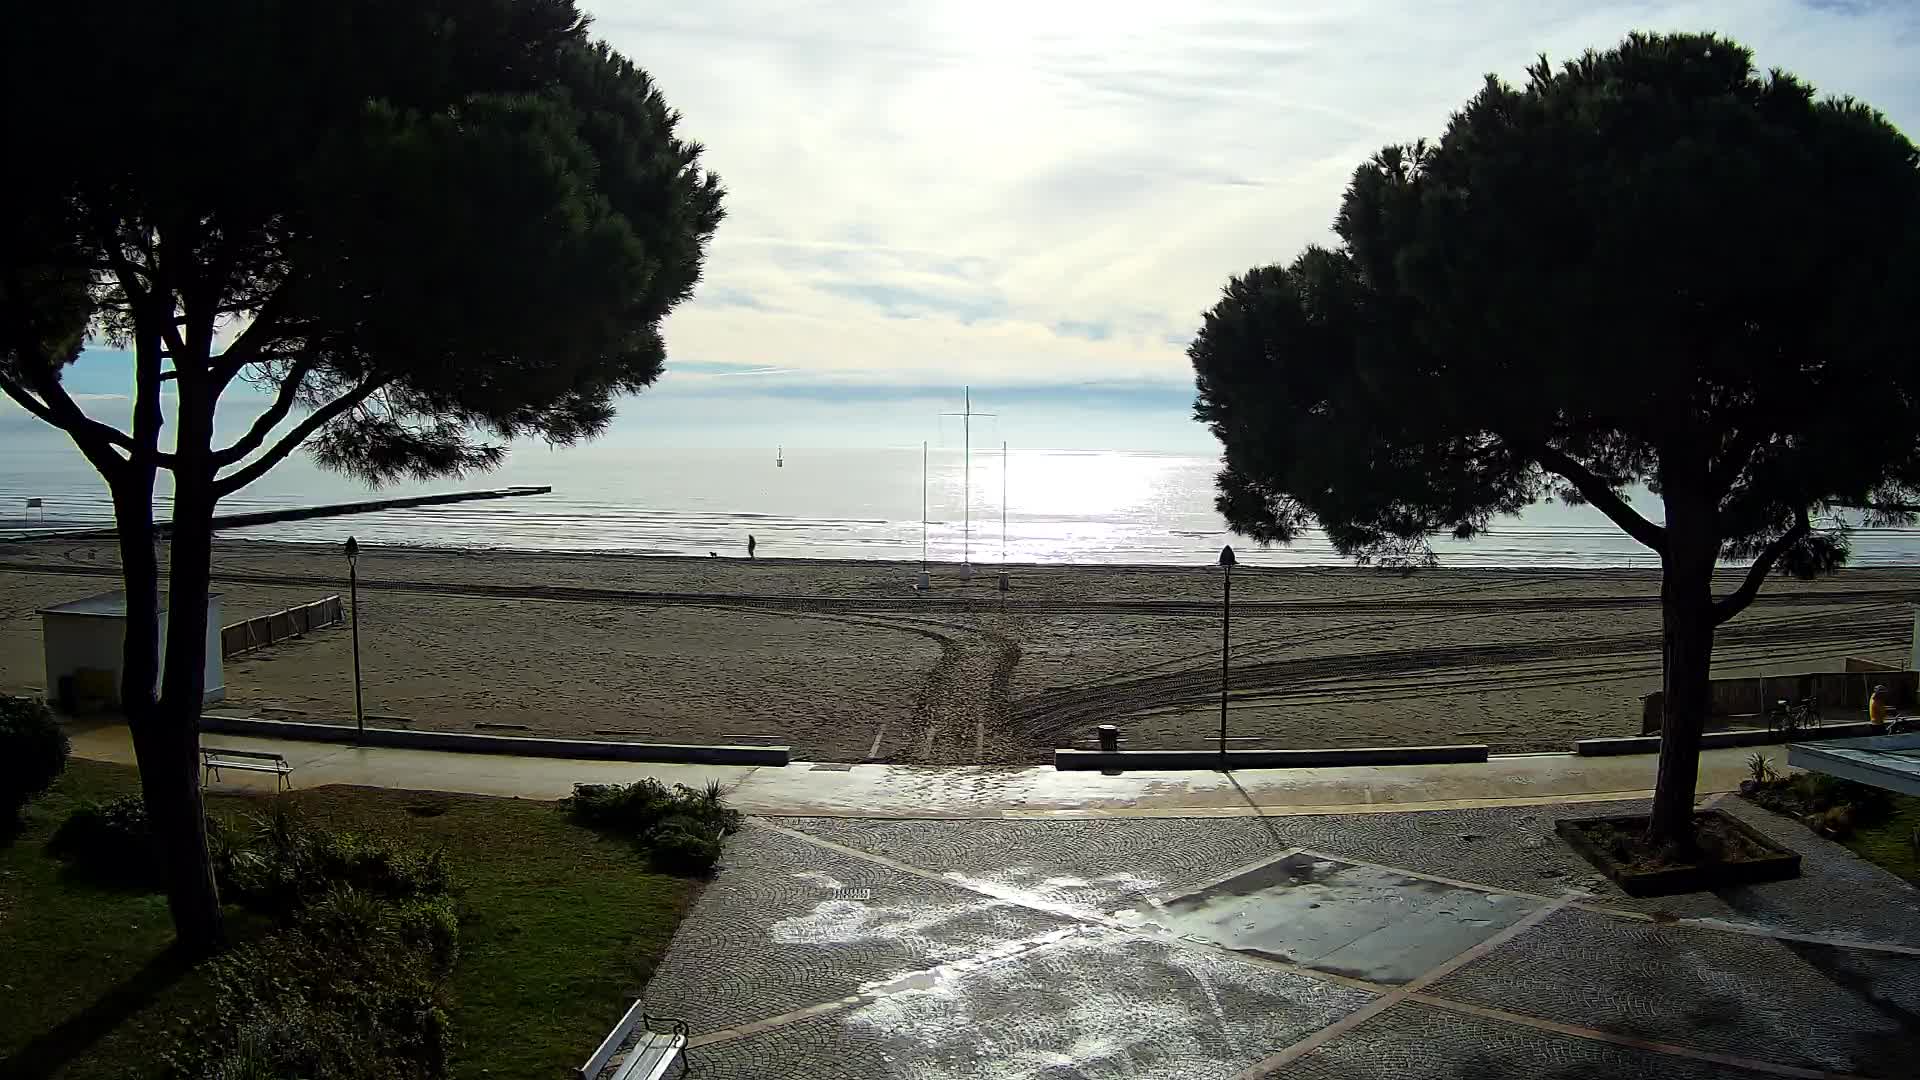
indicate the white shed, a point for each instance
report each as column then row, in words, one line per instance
column 89, row 636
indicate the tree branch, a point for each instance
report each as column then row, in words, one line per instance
column 267, row 421
column 249, row 346
column 291, row 441
column 27, row 401
column 1736, row 602
column 95, row 439
column 1738, row 453
column 1601, row 495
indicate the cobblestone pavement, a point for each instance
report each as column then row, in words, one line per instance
column 1468, row 944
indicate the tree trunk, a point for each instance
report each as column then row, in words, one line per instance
column 180, row 826
column 140, row 575
column 1687, row 622
column 164, row 748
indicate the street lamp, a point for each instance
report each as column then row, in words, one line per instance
column 1226, row 622
column 353, row 597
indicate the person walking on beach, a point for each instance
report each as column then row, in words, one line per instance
column 750, row 545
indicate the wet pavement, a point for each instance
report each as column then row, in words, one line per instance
column 1363, row 922
column 994, row 792
column 1448, row 944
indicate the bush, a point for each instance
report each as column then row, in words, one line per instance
column 291, row 1005
column 1837, row 821
column 290, row 863
column 350, row 986
column 632, row 809
column 347, row 918
column 683, row 846
column 111, row 842
column 33, row 754
column 682, row 829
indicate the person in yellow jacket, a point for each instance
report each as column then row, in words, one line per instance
column 1878, row 711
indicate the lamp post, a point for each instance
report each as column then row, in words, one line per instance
column 1226, row 623
column 353, row 597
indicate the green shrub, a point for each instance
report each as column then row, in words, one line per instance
column 348, row 918
column 1837, row 821
column 631, row 809
column 1819, row 792
column 351, row 984
column 33, row 754
column 682, row 829
column 291, row 1005
column 111, row 842
column 682, row 845
column 290, row 862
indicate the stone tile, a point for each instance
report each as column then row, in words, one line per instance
column 1806, row 1005
column 1503, row 847
column 786, row 924
column 1415, row 1040
column 1357, row 921
column 1097, row 1005
column 1099, row 866
column 1837, row 893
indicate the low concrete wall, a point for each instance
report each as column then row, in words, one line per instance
column 1268, row 759
column 1719, row 740
column 527, row 746
column 1837, row 690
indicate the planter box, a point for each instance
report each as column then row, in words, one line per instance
column 1781, row 863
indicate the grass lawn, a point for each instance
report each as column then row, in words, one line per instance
column 1890, row 843
column 559, row 929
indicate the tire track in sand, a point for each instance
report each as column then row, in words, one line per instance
column 966, row 707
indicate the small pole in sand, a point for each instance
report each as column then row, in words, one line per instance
column 353, row 595
column 1003, row 516
column 925, row 582
column 1226, row 623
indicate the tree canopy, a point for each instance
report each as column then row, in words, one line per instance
column 1653, row 266
column 426, row 228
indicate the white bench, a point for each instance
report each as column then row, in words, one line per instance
column 213, row 759
column 651, row 1054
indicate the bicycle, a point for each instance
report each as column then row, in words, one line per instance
column 1787, row 718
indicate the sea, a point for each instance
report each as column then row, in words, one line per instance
column 1023, row 506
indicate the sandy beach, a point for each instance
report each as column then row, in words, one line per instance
column 844, row 661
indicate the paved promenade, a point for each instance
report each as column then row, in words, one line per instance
column 829, row 790
column 1336, row 924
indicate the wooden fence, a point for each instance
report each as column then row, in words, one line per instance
column 252, row 634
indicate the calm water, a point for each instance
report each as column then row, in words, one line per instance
column 1059, row 507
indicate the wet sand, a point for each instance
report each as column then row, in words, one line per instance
column 846, row 663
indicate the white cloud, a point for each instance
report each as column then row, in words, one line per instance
column 1053, row 190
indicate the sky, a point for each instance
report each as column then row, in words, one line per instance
column 1039, row 199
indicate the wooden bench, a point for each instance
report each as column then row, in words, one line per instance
column 213, row 759
column 653, row 1052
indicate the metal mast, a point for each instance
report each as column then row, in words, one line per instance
column 966, row 520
